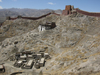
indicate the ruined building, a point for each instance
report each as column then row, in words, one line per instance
column 28, row 59
column 68, row 10
column 71, row 10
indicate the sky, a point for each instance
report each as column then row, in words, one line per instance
column 86, row 5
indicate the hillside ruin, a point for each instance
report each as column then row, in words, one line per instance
column 73, row 43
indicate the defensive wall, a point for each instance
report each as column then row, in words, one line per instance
column 33, row 18
column 88, row 13
column 69, row 10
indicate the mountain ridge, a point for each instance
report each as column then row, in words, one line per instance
column 26, row 12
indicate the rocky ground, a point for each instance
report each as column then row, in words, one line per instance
column 73, row 44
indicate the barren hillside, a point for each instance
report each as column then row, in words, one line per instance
column 73, row 44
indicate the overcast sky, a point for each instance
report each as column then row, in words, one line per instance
column 87, row 5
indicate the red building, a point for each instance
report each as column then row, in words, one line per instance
column 68, row 10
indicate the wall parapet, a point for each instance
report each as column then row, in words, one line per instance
column 88, row 13
column 33, row 18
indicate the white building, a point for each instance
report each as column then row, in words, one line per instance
column 47, row 26
column 41, row 28
column 42, row 62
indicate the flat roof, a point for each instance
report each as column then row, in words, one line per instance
column 29, row 63
column 42, row 60
column 38, row 54
column 30, row 55
column 46, row 53
column 19, row 62
column 24, row 56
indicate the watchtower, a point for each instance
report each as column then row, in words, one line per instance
column 68, row 10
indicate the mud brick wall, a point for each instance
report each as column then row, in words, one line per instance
column 56, row 14
column 88, row 13
column 70, row 12
column 53, row 25
column 68, row 7
column 13, row 18
column 65, row 12
column 33, row 18
column 36, row 18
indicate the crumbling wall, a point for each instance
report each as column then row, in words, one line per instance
column 13, row 18
column 68, row 7
column 56, row 14
column 67, row 10
column 88, row 13
column 33, row 18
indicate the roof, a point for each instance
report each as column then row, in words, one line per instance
column 19, row 62
column 48, row 24
column 24, row 56
column 46, row 53
column 30, row 55
column 38, row 54
column 29, row 63
column 42, row 60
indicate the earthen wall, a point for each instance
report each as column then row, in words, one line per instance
column 88, row 13
column 34, row 18
column 68, row 7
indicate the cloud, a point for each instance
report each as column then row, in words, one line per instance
column 51, row 3
column 0, row 0
column 1, row 7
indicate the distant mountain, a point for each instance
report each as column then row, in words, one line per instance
column 13, row 12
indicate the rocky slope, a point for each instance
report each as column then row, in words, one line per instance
column 73, row 44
